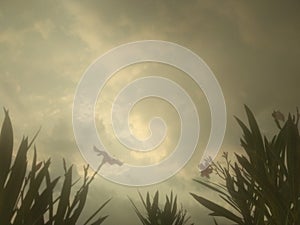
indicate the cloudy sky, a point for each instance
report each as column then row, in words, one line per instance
column 252, row 47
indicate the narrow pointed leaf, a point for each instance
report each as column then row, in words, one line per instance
column 217, row 210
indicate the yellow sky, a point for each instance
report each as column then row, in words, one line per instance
column 45, row 47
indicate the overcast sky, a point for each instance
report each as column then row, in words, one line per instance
column 252, row 47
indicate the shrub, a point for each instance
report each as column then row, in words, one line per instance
column 170, row 214
column 263, row 186
column 27, row 196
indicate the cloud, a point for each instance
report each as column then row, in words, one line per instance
column 45, row 48
column 45, row 28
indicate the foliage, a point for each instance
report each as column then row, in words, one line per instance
column 27, row 195
column 168, row 215
column 263, row 186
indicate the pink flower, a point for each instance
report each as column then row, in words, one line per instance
column 277, row 115
column 206, row 172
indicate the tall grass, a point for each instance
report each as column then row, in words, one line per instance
column 27, row 195
column 263, row 185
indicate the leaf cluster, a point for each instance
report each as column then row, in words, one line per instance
column 169, row 214
column 27, row 194
column 263, row 185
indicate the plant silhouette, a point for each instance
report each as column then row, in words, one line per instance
column 170, row 214
column 260, row 186
column 263, row 185
column 24, row 200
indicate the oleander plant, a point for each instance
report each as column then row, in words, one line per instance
column 28, row 194
column 261, row 185
column 258, row 186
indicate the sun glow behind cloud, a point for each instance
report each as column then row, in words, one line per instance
column 46, row 47
column 142, row 113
